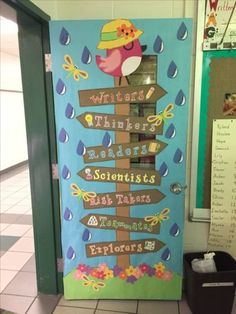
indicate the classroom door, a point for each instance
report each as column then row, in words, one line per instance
column 121, row 92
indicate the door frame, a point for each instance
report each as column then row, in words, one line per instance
column 34, row 43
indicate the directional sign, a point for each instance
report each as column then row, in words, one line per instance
column 115, row 122
column 101, row 221
column 123, row 247
column 118, row 175
column 128, row 198
column 121, row 95
column 123, row 151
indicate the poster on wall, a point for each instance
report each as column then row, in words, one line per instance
column 219, row 27
column 121, row 91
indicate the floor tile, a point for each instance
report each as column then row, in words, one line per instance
column 73, row 310
column 154, row 307
column 3, row 226
column 2, row 252
column 6, row 276
column 23, row 284
column 9, row 218
column 118, row 305
column 29, row 233
column 23, row 245
column 17, row 209
column 6, row 242
column 16, row 230
column 15, row 303
column 184, row 308
column 111, row 312
column 24, row 219
column 43, row 304
column 90, row 304
column 30, row 265
column 14, row 260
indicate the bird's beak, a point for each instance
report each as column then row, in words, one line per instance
column 143, row 47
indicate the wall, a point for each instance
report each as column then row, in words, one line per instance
column 196, row 234
column 12, row 124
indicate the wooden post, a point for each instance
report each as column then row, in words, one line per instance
column 122, row 137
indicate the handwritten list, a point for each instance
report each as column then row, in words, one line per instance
column 223, row 187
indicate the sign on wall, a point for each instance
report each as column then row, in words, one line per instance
column 122, row 228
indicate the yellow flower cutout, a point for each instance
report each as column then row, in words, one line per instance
column 108, row 273
column 160, row 267
column 130, row 271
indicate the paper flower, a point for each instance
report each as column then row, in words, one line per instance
column 123, row 275
column 130, row 271
column 159, row 267
column 131, row 279
column 109, row 273
column 117, row 270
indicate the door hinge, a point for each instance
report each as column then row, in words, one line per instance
column 55, row 175
column 60, row 265
column 48, row 62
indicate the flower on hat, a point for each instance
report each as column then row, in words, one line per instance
column 126, row 31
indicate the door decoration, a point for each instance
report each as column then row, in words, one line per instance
column 121, row 127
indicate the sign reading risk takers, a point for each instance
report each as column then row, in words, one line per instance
column 123, row 247
column 121, row 95
column 123, row 151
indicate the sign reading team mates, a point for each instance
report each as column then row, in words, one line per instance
column 117, row 175
column 117, row 122
column 121, row 95
column 123, row 151
column 120, row 223
column 123, row 247
column 128, row 198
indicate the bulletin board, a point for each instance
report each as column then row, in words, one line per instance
column 218, row 87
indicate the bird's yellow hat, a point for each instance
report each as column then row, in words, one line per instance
column 118, row 33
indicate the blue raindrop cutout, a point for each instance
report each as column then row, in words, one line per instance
column 64, row 37
column 60, row 87
column 68, row 214
column 106, row 141
column 170, row 132
column 158, row 45
column 63, row 136
column 174, row 230
column 86, row 235
column 69, row 112
column 172, row 70
column 66, row 173
column 86, row 56
column 166, row 255
column 180, row 98
column 70, row 253
column 182, row 32
column 178, row 156
column 81, row 149
column 163, row 170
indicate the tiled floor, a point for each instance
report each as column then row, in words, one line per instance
column 17, row 264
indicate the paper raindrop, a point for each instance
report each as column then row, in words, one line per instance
column 70, row 253
column 60, row 87
column 170, row 132
column 163, row 171
column 86, row 56
column 172, row 70
column 66, row 173
column 63, row 136
column 158, row 45
column 81, row 149
column 178, row 156
column 69, row 112
column 166, row 255
column 180, row 98
column 106, row 141
column 182, row 33
column 64, row 37
column 68, row 214
column 87, row 236
column 174, row 230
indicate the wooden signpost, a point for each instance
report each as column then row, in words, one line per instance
column 123, row 247
column 115, row 122
column 121, row 95
column 120, row 223
column 123, row 151
column 126, row 198
column 123, row 176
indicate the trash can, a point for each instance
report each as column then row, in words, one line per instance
column 210, row 293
